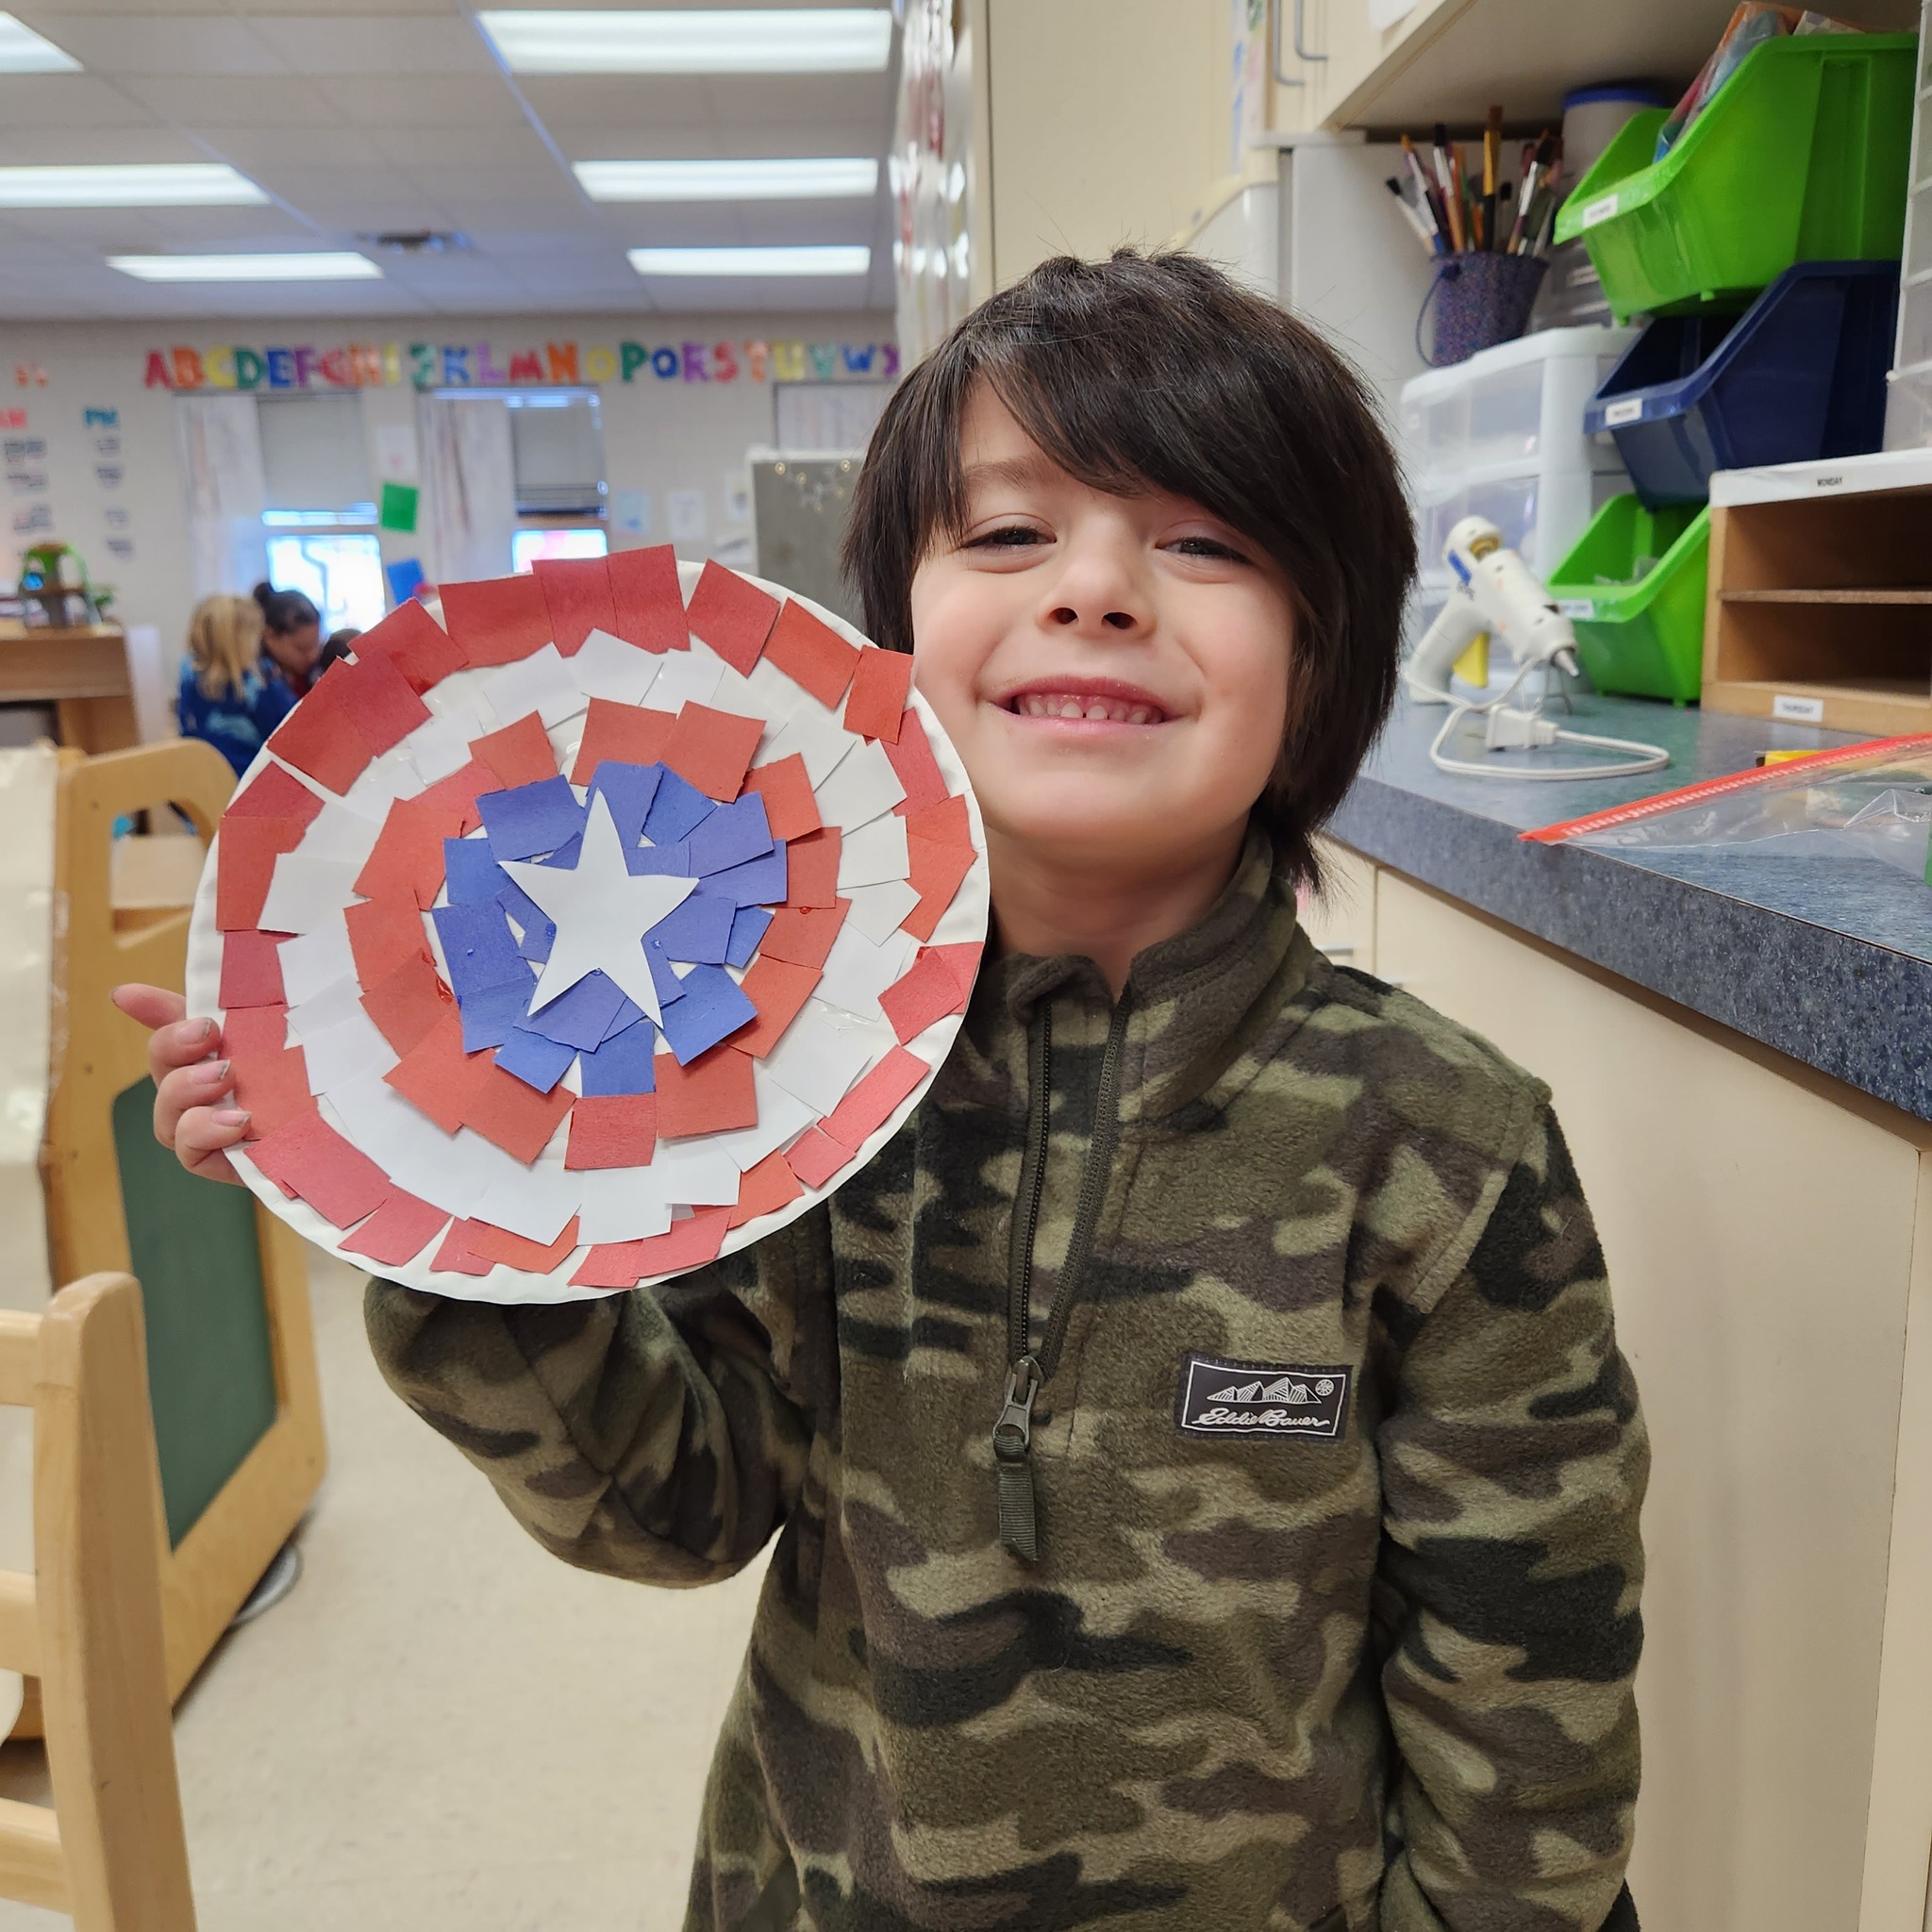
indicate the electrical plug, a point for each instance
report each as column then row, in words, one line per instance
column 1512, row 730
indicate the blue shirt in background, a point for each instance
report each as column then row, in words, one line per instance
column 238, row 722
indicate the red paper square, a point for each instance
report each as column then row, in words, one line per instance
column 414, row 642
column 609, row 1264
column 803, row 934
column 398, row 1231
column 963, row 961
column 456, row 1257
column 251, row 970
column 309, row 1158
column 435, row 1077
column 689, row 1243
column 880, row 681
column 711, row 749
column 317, row 738
column 649, row 601
column 778, row 989
column 612, row 1130
column 630, row 734
column 732, row 616
column 451, row 802
column 815, row 1157
column 520, row 754
column 711, row 1095
column 577, row 593
column 246, row 855
column 764, row 1189
column 498, row 620
column 377, row 700
column 406, row 862
column 811, row 654
column 517, row 1118
column 944, row 824
column 918, row 769
column 273, row 1088
column 254, row 1029
column 382, row 934
column 791, row 807
column 492, row 1244
column 811, row 869
column 408, row 1002
column 935, row 873
column 928, row 990
column 870, row 1104
column 274, row 793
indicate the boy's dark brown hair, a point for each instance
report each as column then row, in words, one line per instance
column 1158, row 372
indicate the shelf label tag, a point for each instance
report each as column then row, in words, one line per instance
column 1796, row 710
column 1629, row 410
column 1600, row 210
column 1584, row 607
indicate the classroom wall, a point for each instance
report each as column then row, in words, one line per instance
column 92, row 459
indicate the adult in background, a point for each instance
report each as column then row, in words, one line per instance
column 291, row 636
column 230, row 695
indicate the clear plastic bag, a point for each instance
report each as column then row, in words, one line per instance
column 1867, row 800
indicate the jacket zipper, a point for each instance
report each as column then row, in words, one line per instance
column 1012, row 1435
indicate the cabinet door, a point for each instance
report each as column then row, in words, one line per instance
column 1341, row 921
column 1341, row 30
column 1759, row 1238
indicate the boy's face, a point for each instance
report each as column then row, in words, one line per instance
column 1113, row 670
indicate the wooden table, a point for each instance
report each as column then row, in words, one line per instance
column 83, row 674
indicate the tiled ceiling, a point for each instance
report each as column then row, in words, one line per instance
column 357, row 117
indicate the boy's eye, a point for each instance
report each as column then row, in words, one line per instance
column 1208, row 546
column 1011, row 537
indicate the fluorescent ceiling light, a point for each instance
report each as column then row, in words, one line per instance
column 247, row 268
column 189, row 183
column 835, row 261
column 735, row 180
column 23, row 51
column 805, row 40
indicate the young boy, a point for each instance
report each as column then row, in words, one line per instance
column 1205, row 1480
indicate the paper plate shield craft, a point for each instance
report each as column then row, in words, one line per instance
column 593, row 936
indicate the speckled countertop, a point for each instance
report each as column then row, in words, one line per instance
column 1829, row 962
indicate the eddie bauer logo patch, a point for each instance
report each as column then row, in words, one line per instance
column 1260, row 1399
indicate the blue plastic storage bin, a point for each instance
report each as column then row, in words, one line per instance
column 1797, row 375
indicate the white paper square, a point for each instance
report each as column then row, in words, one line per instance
column 336, row 832
column 329, row 1007
column 606, row 667
column 875, row 855
column 814, row 734
column 857, row 971
column 864, row 787
column 877, row 910
column 694, row 1173
column 314, row 961
column 686, row 677
column 440, row 748
column 336, row 1055
column 617, row 1205
column 543, row 682
column 817, row 1059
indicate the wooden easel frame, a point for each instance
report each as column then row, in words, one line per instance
column 98, row 1053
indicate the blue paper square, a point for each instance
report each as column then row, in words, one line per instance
column 676, row 809
column 713, row 1007
column 539, row 934
column 758, row 882
column 663, row 976
column 623, row 1064
column 700, row 929
column 628, row 790
column 731, row 835
column 626, row 1015
column 490, row 1013
column 670, row 861
column 530, row 818
column 477, row 948
column 472, row 871
column 565, row 858
column 581, row 1016
column 536, row 1061
column 747, row 929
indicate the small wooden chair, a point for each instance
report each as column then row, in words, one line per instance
column 87, row 1623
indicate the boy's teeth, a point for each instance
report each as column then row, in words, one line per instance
column 1087, row 711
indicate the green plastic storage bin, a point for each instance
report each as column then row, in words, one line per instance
column 1801, row 156
column 1645, row 637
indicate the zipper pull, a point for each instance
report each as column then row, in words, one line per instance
column 1012, row 1445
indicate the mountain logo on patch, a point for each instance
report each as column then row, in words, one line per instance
column 1218, row 1398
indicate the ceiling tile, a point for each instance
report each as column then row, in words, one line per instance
column 68, row 101
column 231, row 101
column 459, row 100
column 261, row 152
column 429, row 148
column 329, row 45
column 198, row 43
column 78, row 147
column 619, row 100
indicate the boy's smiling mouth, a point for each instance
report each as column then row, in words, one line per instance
column 1085, row 701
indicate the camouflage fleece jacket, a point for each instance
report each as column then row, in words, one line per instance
column 1318, row 1433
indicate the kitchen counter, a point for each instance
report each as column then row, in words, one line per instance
column 1827, row 960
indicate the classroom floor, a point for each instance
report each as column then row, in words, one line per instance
column 441, row 1726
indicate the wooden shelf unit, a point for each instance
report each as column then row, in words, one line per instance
column 1823, row 602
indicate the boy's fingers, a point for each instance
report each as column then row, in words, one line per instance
column 203, row 1138
column 149, row 1006
column 184, row 1088
column 185, row 1044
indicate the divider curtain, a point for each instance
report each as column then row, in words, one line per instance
column 221, row 457
column 469, row 508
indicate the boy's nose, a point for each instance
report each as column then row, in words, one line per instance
column 1113, row 619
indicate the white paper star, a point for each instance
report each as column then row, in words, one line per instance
column 601, row 914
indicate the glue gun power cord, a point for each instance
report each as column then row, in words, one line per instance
column 1512, row 730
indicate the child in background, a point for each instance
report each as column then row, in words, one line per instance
column 291, row 636
column 340, row 644
column 1203, row 1477
column 228, row 695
